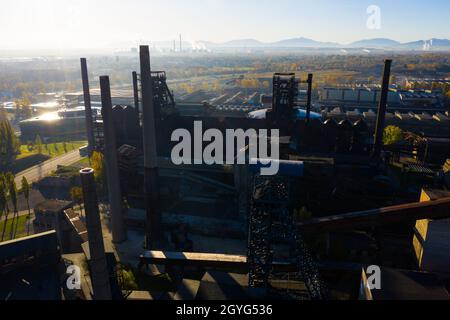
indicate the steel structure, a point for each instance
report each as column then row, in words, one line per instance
column 270, row 215
column 285, row 93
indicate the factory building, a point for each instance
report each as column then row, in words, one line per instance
column 410, row 100
column 118, row 96
column 59, row 124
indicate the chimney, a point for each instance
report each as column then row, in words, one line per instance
column 151, row 186
column 87, row 106
column 98, row 265
column 308, row 103
column 136, row 91
column 112, row 171
column 381, row 117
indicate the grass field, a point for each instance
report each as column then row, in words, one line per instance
column 52, row 149
column 19, row 225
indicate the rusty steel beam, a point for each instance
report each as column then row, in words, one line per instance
column 438, row 209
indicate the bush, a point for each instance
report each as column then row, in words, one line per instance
column 392, row 135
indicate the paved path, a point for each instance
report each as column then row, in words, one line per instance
column 44, row 169
column 20, row 213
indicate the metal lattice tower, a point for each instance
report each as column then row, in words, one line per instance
column 271, row 214
column 269, row 196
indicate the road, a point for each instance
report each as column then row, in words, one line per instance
column 11, row 215
column 44, row 169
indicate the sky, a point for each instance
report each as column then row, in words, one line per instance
column 77, row 24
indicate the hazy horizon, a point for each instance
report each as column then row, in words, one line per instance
column 69, row 24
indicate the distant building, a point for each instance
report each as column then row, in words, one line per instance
column 409, row 100
column 62, row 123
column 43, row 107
column 118, row 96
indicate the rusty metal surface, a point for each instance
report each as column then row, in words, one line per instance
column 438, row 209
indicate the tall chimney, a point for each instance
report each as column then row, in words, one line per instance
column 181, row 45
column 136, row 91
column 98, row 266
column 153, row 232
column 381, row 117
column 112, row 171
column 87, row 106
column 308, row 103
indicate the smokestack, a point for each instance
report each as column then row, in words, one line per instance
column 136, row 91
column 87, row 106
column 98, row 266
column 181, row 45
column 153, row 232
column 379, row 131
column 112, row 171
column 308, row 103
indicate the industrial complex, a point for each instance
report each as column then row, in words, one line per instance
column 343, row 207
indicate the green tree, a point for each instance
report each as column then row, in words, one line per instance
column 26, row 194
column 38, row 144
column 9, row 145
column 76, row 194
column 97, row 163
column 392, row 135
column 3, row 200
column 13, row 196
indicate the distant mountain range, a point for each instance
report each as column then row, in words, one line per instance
column 377, row 43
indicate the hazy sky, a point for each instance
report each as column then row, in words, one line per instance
column 57, row 24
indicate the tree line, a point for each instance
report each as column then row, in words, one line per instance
column 9, row 145
column 9, row 204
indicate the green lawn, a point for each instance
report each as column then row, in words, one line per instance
column 83, row 163
column 19, row 224
column 51, row 149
